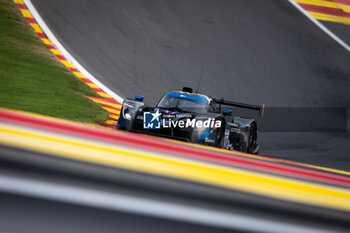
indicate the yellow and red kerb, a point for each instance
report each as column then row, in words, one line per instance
column 337, row 11
column 105, row 101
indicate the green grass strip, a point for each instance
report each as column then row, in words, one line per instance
column 32, row 79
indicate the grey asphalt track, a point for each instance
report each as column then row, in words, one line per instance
column 341, row 30
column 52, row 211
column 249, row 51
column 40, row 216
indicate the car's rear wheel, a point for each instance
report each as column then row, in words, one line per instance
column 252, row 136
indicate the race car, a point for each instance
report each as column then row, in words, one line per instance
column 192, row 117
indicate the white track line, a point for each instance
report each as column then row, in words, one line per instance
column 144, row 206
column 321, row 26
column 66, row 54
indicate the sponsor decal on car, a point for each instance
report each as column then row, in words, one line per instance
column 210, row 140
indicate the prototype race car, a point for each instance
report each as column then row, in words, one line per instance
column 192, row 117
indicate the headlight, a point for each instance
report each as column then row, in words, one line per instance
column 126, row 114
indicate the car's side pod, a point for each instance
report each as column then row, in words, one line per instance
column 248, row 133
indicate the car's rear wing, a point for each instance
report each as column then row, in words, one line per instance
column 240, row 105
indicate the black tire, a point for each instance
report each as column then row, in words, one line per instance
column 221, row 133
column 252, row 136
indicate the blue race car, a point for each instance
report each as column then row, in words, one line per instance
column 192, row 117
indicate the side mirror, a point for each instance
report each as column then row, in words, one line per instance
column 227, row 112
column 139, row 98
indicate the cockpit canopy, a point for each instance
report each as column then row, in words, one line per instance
column 180, row 101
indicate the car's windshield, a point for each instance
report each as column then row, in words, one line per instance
column 183, row 103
